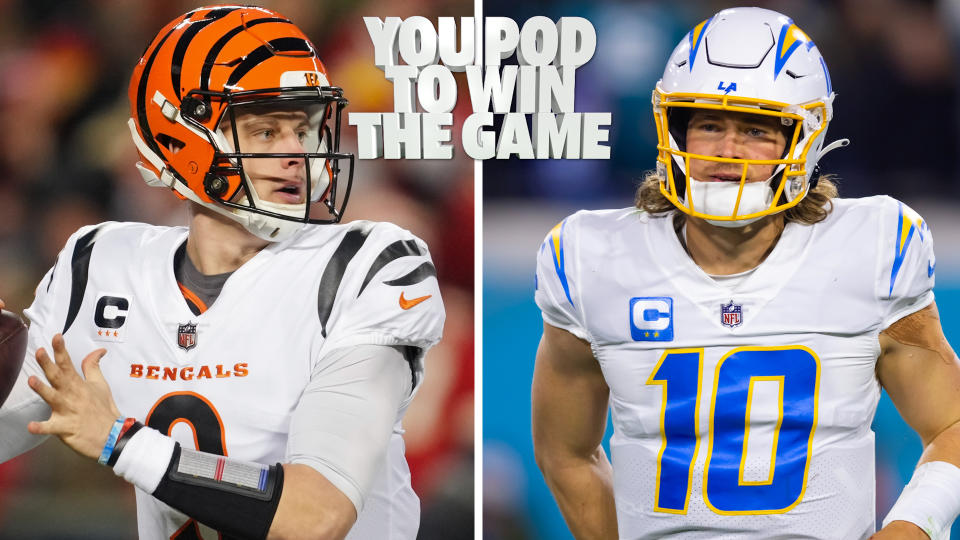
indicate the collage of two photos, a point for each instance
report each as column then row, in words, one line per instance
column 507, row 270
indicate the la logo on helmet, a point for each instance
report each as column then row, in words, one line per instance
column 729, row 88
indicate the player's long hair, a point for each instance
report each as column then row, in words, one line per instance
column 815, row 207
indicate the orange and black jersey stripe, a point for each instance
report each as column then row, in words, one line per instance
column 198, row 290
column 197, row 306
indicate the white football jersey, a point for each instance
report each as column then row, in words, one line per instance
column 740, row 411
column 228, row 380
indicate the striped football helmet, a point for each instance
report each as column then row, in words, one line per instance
column 204, row 69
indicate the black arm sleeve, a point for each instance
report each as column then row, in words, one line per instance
column 234, row 509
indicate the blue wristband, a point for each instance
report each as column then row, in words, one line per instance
column 111, row 440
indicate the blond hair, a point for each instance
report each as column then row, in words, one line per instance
column 815, row 207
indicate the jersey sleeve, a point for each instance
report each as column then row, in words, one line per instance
column 23, row 405
column 390, row 295
column 50, row 312
column 556, row 293
column 906, row 276
column 47, row 315
column 343, row 423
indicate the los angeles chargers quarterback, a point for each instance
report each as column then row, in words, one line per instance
column 740, row 321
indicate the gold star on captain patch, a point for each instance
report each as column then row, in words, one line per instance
column 656, row 334
column 646, row 334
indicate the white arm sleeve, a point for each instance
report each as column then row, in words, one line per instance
column 22, row 407
column 46, row 315
column 343, row 423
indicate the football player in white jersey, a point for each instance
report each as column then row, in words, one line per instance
column 248, row 373
column 740, row 321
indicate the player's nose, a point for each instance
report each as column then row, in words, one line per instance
column 730, row 145
column 292, row 143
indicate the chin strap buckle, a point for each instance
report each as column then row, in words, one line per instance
column 166, row 179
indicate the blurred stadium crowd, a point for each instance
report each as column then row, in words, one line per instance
column 894, row 66
column 66, row 160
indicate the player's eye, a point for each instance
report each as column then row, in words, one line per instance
column 711, row 127
column 262, row 134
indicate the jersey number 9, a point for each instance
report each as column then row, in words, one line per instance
column 204, row 421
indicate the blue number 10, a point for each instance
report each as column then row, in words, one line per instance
column 795, row 369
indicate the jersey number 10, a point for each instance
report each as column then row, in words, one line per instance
column 796, row 371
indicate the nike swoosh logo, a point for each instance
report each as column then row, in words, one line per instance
column 930, row 268
column 407, row 304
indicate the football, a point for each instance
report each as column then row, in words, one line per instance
column 13, row 346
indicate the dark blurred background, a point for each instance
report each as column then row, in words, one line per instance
column 893, row 65
column 67, row 160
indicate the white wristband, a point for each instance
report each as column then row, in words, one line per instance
column 931, row 500
column 145, row 459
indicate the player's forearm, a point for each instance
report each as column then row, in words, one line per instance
column 583, row 488
column 569, row 413
column 945, row 446
column 328, row 455
column 299, row 515
column 241, row 499
column 310, row 508
column 21, row 407
column 929, row 504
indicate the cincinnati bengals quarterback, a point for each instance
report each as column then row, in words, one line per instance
column 740, row 321
column 248, row 373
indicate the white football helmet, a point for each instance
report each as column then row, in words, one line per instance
column 749, row 60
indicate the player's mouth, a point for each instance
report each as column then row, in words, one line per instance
column 724, row 177
column 288, row 192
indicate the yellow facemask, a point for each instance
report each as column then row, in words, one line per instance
column 789, row 180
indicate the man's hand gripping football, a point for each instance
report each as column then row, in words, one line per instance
column 83, row 410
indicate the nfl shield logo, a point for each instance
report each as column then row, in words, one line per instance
column 731, row 315
column 187, row 336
